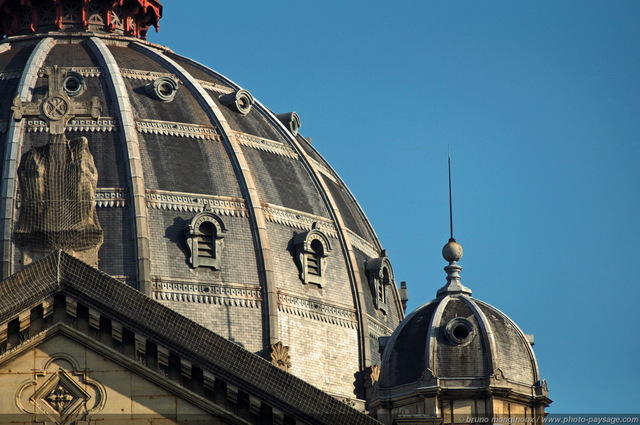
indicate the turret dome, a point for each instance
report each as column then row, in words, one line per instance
column 456, row 357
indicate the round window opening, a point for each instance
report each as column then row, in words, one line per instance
column 165, row 89
column 73, row 84
column 460, row 331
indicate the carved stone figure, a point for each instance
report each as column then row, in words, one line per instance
column 57, row 186
column 58, row 180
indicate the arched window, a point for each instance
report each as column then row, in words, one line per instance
column 314, row 258
column 205, row 240
column 380, row 280
column 383, row 285
column 312, row 249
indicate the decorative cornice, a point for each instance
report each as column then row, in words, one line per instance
column 233, row 295
column 146, row 75
column 215, row 87
column 195, row 202
column 377, row 328
column 265, row 145
column 10, row 75
column 362, row 245
column 193, row 131
column 317, row 310
column 106, row 124
column 87, row 71
column 298, row 219
column 112, row 197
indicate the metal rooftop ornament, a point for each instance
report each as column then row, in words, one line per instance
column 452, row 252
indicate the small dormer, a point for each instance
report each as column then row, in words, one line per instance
column 311, row 251
column 205, row 240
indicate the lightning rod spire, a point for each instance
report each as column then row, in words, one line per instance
column 450, row 199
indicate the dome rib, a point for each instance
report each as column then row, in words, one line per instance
column 432, row 336
column 243, row 173
column 15, row 137
column 124, row 111
column 486, row 331
column 343, row 236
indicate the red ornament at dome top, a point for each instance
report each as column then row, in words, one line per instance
column 127, row 17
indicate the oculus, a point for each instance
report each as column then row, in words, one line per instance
column 163, row 89
column 291, row 120
column 460, row 331
column 239, row 101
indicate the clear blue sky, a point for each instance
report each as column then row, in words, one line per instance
column 539, row 102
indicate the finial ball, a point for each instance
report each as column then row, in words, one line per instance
column 452, row 251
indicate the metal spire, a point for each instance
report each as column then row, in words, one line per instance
column 452, row 252
column 450, row 199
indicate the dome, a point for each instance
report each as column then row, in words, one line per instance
column 168, row 176
column 458, row 340
column 457, row 355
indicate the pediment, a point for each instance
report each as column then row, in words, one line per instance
column 61, row 376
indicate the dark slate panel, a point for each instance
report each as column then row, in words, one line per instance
column 108, row 155
column 183, row 108
column 408, row 353
column 131, row 59
column 15, row 59
column 117, row 253
column 285, row 182
column 8, row 91
column 71, row 55
column 187, row 165
column 351, row 214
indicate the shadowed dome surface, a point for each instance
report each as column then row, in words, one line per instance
column 186, row 188
column 457, row 337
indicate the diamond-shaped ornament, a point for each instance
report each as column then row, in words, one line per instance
column 59, row 398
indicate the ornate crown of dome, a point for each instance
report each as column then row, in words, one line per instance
column 170, row 177
column 458, row 345
column 128, row 17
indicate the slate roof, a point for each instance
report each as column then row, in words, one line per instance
column 59, row 272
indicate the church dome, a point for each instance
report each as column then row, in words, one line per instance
column 170, row 177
